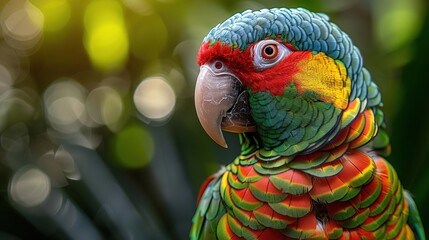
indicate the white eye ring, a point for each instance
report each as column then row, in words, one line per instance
column 268, row 53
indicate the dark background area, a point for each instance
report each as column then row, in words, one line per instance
column 99, row 138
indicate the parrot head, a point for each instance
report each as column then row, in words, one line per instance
column 289, row 75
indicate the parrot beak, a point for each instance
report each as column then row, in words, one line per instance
column 222, row 104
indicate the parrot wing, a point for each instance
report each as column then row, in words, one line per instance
column 210, row 209
column 414, row 218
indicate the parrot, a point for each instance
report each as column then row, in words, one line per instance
column 313, row 140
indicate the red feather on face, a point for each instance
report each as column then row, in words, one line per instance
column 240, row 62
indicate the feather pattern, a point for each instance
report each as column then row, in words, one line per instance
column 363, row 197
column 312, row 170
column 354, row 193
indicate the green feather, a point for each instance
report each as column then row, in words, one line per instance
column 277, row 163
column 236, row 184
column 380, row 233
column 353, row 192
column 332, row 196
column 221, row 231
column 381, row 219
column 288, row 187
column 382, row 205
column 399, row 225
column 250, row 176
column 356, row 220
column 284, row 209
column 414, row 220
column 244, row 218
column 248, row 143
column 270, row 171
column 317, row 161
column 372, row 197
column 345, row 213
column 235, row 226
column 209, row 211
column 291, row 123
column 262, row 195
column 268, row 220
column 242, row 203
column 326, row 171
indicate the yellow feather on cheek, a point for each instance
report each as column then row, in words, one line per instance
column 325, row 76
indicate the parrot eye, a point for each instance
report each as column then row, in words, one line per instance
column 218, row 66
column 268, row 53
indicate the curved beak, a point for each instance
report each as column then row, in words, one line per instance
column 222, row 104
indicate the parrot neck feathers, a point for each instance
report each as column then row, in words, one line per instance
column 319, row 126
column 294, row 122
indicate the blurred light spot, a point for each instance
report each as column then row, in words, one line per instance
column 22, row 22
column 397, row 28
column 210, row 11
column 149, row 37
column 64, row 104
column 52, row 168
column 15, row 138
column 134, row 147
column 178, row 81
column 66, row 110
column 94, row 17
column 105, row 106
column 57, row 13
column 121, row 84
column 67, row 163
column 186, row 52
column 59, row 166
column 108, row 47
column 29, row 187
column 16, row 105
column 13, row 68
column 5, row 79
column 155, row 98
column 106, row 36
column 5, row 75
column 397, row 23
column 139, row 6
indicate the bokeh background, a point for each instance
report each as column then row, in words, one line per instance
column 98, row 134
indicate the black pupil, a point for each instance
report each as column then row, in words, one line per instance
column 269, row 50
column 218, row 65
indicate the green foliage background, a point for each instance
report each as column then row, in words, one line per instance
column 92, row 164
